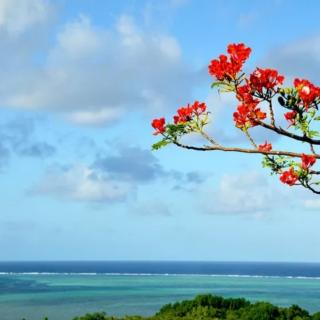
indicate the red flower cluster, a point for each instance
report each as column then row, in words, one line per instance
column 266, row 147
column 247, row 115
column 199, row 108
column 244, row 94
column 186, row 114
column 265, row 79
column 289, row 177
column 226, row 68
column 239, row 53
column 247, row 111
column 307, row 161
column 159, row 125
column 308, row 92
column 291, row 117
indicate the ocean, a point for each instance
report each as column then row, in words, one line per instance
column 62, row 290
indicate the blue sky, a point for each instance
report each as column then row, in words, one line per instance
column 81, row 81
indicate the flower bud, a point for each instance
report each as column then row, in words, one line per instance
column 281, row 101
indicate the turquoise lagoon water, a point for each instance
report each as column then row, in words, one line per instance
column 63, row 296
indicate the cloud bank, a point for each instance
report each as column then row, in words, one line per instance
column 91, row 75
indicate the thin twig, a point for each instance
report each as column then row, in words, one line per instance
column 246, row 132
column 312, row 148
column 273, row 122
column 241, row 150
column 210, row 139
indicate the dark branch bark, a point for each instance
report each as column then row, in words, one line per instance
column 288, row 134
column 308, row 186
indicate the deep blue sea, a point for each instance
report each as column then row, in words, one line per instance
column 62, row 290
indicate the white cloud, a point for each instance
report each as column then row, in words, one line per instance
column 94, row 117
column 298, row 59
column 246, row 193
column 114, row 175
column 81, row 183
column 78, row 39
column 93, row 75
column 18, row 15
column 255, row 194
column 312, row 204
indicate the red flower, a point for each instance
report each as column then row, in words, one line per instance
column 266, row 147
column 226, row 68
column 291, row 117
column 222, row 69
column 289, row 177
column 159, row 125
column 176, row 119
column 247, row 115
column 265, row 79
column 244, row 94
column 218, row 67
column 186, row 114
column 240, row 117
column 307, row 161
column 308, row 92
column 199, row 108
column 239, row 53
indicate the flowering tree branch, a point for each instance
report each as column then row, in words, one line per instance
column 254, row 91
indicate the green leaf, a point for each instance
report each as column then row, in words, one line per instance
column 313, row 133
column 160, row 144
column 312, row 113
column 217, row 84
